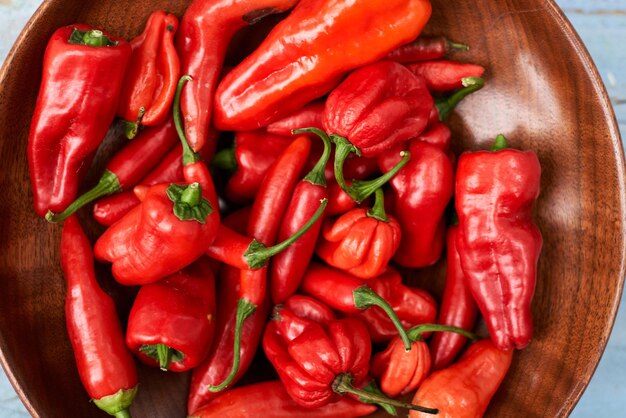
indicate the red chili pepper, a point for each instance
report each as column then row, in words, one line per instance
column 360, row 242
column 270, row 399
column 443, row 75
column 425, row 48
column 126, row 167
column 421, row 193
column 172, row 321
column 498, row 243
column 205, row 32
column 457, row 308
column 339, row 202
column 439, row 135
column 252, row 154
column 82, row 76
column 465, row 389
column 307, row 53
column 105, row 366
column 347, row 294
column 310, row 116
column 414, row 306
column 445, row 105
column 152, row 74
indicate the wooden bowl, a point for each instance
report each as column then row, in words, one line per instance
column 543, row 92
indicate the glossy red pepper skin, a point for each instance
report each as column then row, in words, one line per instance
column 458, row 308
column 270, row 399
column 300, row 55
column 498, row 243
column 177, row 312
column 424, row 48
column 399, row 371
column 78, row 95
column 205, row 32
column 111, row 209
column 464, row 389
column 153, row 71
column 105, row 366
column 444, row 75
column 421, row 192
column 310, row 116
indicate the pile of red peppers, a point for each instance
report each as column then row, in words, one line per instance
column 277, row 205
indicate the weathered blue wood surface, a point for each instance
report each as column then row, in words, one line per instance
column 602, row 26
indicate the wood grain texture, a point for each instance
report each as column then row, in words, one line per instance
column 543, row 93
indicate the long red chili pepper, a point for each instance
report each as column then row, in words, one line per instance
column 299, row 60
column 464, row 389
column 445, row 105
column 425, row 48
column 105, row 366
column 498, row 243
column 444, row 75
column 127, row 167
column 458, row 308
column 172, row 321
column 310, row 116
column 83, row 70
column 152, row 74
column 205, row 32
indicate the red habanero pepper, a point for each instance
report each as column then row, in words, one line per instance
column 439, row 135
column 458, row 308
column 205, row 32
column 252, row 154
column 464, row 389
column 400, row 371
column 347, row 294
column 310, row 116
column 152, row 74
column 307, row 53
column 414, row 306
column 105, row 366
column 425, row 48
column 172, row 321
column 360, row 242
column 498, row 243
column 127, row 167
column 443, row 75
column 83, row 70
column 421, row 193
column 270, row 399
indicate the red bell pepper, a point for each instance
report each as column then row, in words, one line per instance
column 153, row 71
column 413, row 306
column 498, row 243
column 465, row 389
column 127, row 167
column 270, row 399
column 421, row 193
column 307, row 53
column 425, row 48
column 310, row 116
column 457, row 308
column 172, row 321
column 205, row 32
column 444, row 75
column 83, row 70
column 361, row 242
column 105, row 366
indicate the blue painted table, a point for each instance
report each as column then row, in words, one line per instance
column 602, row 26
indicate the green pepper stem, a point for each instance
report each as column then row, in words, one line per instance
column 365, row 297
column 343, row 384
column 457, row 46
column 499, row 144
column 189, row 203
column 189, row 157
column 124, row 413
column 117, row 404
column 244, row 309
column 164, row 354
column 446, row 105
column 94, row 38
column 192, row 194
column 109, row 183
column 225, row 159
column 415, row 333
column 378, row 210
column 131, row 128
column 258, row 254
column 317, row 175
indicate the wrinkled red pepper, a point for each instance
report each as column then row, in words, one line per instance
column 498, row 243
column 83, row 70
column 299, row 60
column 172, row 321
column 425, row 48
column 105, row 365
column 205, row 32
column 444, row 75
column 153, row 71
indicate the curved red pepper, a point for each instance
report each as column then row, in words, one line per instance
column 205, row 32
column 498, row 243
column 425, row 48
column 105, row 366
column 82, row 76
column 153, row 71
column 310, row 116
column 444, row 75
column 172, row 321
